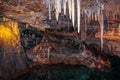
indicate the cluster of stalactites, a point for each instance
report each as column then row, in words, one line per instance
column 92, row 13
column 58, row 5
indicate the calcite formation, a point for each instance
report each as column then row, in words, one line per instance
column 35, row 32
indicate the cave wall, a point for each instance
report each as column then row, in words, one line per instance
column 12, row 59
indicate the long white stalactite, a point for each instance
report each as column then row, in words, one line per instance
column 57, row 8
column 64, row 6
column 78, row 14
column 70, row 8
column 49, row 9
column 102, row 26
column 73, row 13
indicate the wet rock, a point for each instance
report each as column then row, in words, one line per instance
column 115, row 47
column 111, row 47
column 30, row 38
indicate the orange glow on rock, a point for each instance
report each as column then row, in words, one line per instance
column 9, row 32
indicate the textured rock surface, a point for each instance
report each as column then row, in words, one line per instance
column 31, row 12
column 55, row 47
column 111, row 47
column 12, row 60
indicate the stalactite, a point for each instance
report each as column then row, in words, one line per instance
column 102, row 26
column 78, row 14
column 92, row 15
column 65, row 6
column 119, row 29
column 95, row 17
column 98, row 12
column 49, row 9
column 57, row 8
column 70, row 6
column 89, row 13
column 85, row 19
column 73, row 13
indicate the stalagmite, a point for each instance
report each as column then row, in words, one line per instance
column 70, row 6
column 73, row 13
column 78, row 13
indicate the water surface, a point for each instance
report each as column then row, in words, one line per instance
column 59, row 72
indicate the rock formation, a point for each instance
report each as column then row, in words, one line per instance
column 28, row 38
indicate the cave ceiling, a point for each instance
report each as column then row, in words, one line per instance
column 34, row 12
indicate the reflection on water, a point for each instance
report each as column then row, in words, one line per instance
column 70, row 73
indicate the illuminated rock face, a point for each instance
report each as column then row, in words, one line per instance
column 12, row 62
column 9, row 34
column 119, row 30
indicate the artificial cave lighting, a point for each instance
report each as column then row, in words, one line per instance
column 59, row 39
column 5, row 33
column 9, row 32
